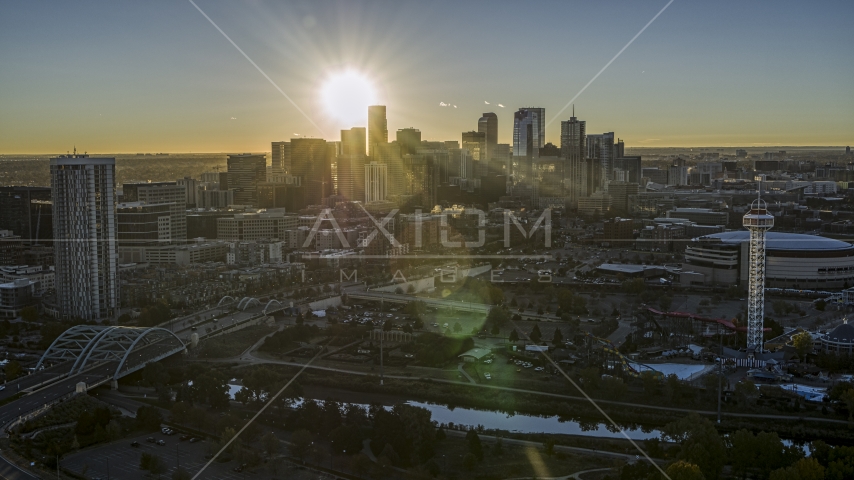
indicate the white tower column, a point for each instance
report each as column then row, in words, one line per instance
column 758, row 221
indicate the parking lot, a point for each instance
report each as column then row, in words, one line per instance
column 122, row 460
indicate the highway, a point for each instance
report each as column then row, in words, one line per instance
column 8, row 471
column 28, row 403
column 94, row 375
column 35, row 378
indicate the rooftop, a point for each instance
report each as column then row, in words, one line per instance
column 783, row 241
column 628, row 268
column 843, row 333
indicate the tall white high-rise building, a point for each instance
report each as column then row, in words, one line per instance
column 376, row 181
column 84, row 232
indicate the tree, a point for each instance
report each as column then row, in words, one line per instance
column 469, row 461
column 225, row 437
column 13, row 370
column 475, row 447
column 803, row 343
column 346, row 439
column 29, row 314
column 157, row 467
column 514, row 336
column 681, row 470
column 557, row 339
column 549, row 447
column 498, row 316
column 114, row 430
column 742, row 451
column 155, row 374
column 745, row 391
column 590, row 377
column 634, row 287
column 301, row 442
column 271, row 444
column 700, row 443
column 536, row 336
column 803, row 469
column 457, row 327
column 148, row 418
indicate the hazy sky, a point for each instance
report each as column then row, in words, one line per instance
column 155, row 76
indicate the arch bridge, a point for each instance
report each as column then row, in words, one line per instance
column 130, row 348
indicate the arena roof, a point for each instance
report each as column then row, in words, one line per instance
column 783, row 241
column 843, row 333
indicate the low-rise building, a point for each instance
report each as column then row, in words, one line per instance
column 44, row 276
column 17, row 295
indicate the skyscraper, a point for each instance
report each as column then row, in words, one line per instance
column 409, row 140
column 162, row 192
column 281, row 157
column 488, row 124
column 389, row 154
column 26, row 211
column 376, row 182
column 475, row 143
column 572, row 146
column 529, row 131
column 350, row 165
column 377, row 127
column 422, row 176
column 529, row 135
column 84, row 232
column 353, row 141
column 311, row 161
column 601, row 149
column 245, row 172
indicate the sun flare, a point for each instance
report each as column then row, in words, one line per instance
column 346, row 96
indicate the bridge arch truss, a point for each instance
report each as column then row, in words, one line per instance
column 131, row 348
column 248, row 302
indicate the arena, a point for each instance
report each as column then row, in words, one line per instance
column 792, row 261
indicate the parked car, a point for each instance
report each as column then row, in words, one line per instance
column 487, row 376
column 184, row 437
column 194, row 440
column 134, row 444
column 150, row 440
column 161, row 443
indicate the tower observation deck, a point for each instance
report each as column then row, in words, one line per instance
column 757, row 221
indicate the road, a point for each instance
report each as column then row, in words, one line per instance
column 8, row 471
column 619, row 335
column 464, row 373
column 35, row 378
column 28, row 403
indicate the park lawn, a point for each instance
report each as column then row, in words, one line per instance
column 514, row 461
column 233, row 344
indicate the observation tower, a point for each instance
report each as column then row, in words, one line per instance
column 757, row 221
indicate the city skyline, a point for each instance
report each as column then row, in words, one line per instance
column 699, row 75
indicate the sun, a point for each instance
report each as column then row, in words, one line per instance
column 346, row 96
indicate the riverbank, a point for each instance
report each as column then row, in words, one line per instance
column 396, row 390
